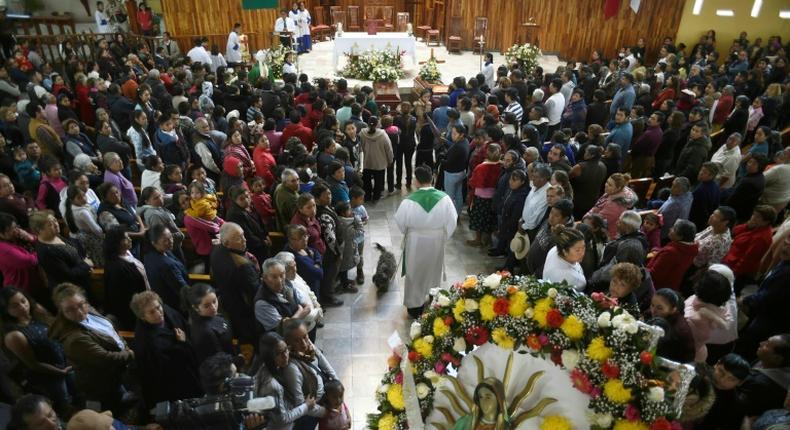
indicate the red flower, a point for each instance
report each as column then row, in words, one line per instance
column 580, row 381
column 501, row 306
column 504, row 274
column 477, row 335
column 610, row 369
column 632, row 413
column 448, row 321
column 556, row 355
column 661, row 424
column 533, row 342
column 646, row 357
column 399, row 378
column 414, row 356
column 554, row 318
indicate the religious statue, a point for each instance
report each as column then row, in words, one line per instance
column 488, row 411
column 339, row 32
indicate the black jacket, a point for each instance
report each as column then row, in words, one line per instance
column 254, row 230
column 210, row 335
column 167, row 367
column 122, row 280
column 691, row 158
column 237, row 280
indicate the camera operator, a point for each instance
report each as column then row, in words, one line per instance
column 215, row 372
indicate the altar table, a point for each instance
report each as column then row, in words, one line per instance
column 361, row 42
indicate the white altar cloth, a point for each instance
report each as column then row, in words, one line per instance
column 361, row 42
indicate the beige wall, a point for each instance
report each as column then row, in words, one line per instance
column 727, row 29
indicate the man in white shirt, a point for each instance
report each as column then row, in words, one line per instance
column 728, row 156
column 285, row 24
column 536, row 204
column 102, row 20
column 233, row 47
column 198, row 54
column 554, row 106
column 567, row 85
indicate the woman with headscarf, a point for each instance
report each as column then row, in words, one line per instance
column 489, row 411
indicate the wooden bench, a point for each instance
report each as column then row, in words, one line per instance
column 97, row 287
column 641, row 188
column 663, row 182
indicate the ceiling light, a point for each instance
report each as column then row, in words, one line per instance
column 784, row 14
column 725, row 12
column 756, row 8
column 697, row 7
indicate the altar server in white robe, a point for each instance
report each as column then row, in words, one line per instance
column 296, row 15
column 233, row 48
column 285, row 24
column 102, row 20
column 427, row 219
column 305, row 39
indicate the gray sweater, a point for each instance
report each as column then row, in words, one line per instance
column 377, row 149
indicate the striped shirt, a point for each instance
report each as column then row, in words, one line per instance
column 517, row 110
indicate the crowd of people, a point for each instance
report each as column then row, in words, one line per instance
column 137, row 170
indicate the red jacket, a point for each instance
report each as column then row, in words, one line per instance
column 747, row 249
column 264, row 164
column 670, row 263
column 485, row 175
column 313, row 231
column 723, row 109
column 298, row 130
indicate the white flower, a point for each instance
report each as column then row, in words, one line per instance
column 529, row 313
column 625, row 322
column 422, row 390
column 443, row 300
column 415, row 329
column 383, row 388
column 432, row 376
column 603, row 420
column 631, row 328
column 655, row 394
column 428, row 339
column 604, row 319
column 552, row 292
column 470, row 305
column 570, row 358
column 492, row 280
column 459, row 345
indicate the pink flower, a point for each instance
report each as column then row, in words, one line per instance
column 399, row 378
column 543, row 339
column 595, row 392
column 632, row 413
column 440, row 367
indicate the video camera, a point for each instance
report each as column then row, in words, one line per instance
column 217, row 412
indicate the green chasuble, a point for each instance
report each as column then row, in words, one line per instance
column 427, row 197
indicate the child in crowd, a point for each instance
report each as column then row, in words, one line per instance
column 262, row 201
column 197, row 173
column 202, row 204
column 728, row 373
column 651, row 227
column 349, row 229
column 482, row 218
column 171, row 178
column 625, row 279
column 26, row 170
column 357, row 195
column 52, row 183
column 704, row 310
column 152, row 175
column 678, row 341
column 337, row 416
column 179, row 204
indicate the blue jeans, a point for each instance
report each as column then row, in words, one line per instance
column 453, row 186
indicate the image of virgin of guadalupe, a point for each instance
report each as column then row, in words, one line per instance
column 489, row 411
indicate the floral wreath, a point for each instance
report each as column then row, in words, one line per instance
column 607, row 353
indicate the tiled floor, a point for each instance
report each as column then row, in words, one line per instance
column 318, row 63
column 355, row 335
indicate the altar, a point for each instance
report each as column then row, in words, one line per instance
column 361, row 42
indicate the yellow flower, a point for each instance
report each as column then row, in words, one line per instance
column 458, row 310
column 424, row 347
column 542, row 307
column 469, row 282
column 518, row 304
column 628, row 425
column 616, row 391
column 502, row 339
column 597, row 350
column 487, row 307
column 395, row 396
column 555, row 422
column 388, row 422
column 439, row 327
column 573, row 327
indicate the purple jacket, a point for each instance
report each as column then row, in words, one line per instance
column 648, row 142
column 128, row 194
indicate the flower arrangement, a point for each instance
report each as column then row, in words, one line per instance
column 430, row 71
column 525, row 55
column 275, row 58
column 378, row 66
column 606, row 353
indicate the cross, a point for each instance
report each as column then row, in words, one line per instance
column 432, row 57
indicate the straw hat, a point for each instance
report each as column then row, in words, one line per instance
column 520, row 245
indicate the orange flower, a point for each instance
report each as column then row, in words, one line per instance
column 512, row 289
column 533, row 342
